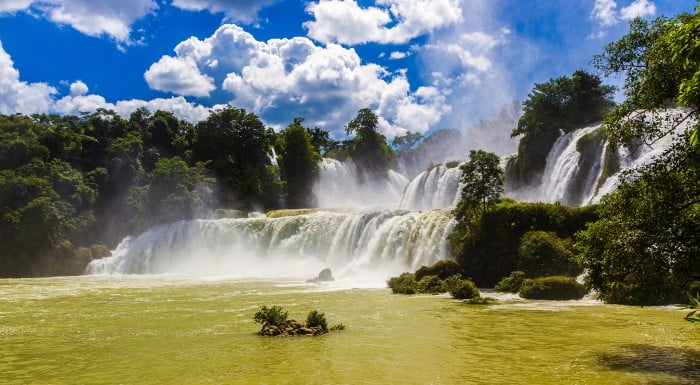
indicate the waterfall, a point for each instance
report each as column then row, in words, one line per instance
column 435, row 188
column 565, row 179
column 339, row 187
column 351, row 243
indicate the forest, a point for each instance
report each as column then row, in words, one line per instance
column 71, row 187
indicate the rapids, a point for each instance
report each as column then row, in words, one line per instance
column 372, row 245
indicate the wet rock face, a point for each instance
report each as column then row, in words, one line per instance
column 326, row 275
column 291, row 328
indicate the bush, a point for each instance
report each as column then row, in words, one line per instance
column 99, row 251
column 430, row 284
column 465, row 290
column 511, row 283
column 543, row 253
column 272, row 315
column 443, row 269
column 552, row 288
column 403, row 284
column 451, row 283
column 315, row 319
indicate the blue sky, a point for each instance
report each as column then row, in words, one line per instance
column 420, row 64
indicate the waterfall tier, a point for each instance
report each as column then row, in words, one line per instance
column 379, row 243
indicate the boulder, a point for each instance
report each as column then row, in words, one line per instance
column 324, row 276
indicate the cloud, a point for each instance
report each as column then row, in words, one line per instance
column 18, row 96
column 396, row 55
column 76, row 104
column 283, row 78
column 78, row 88
column 239, row 10
column 607, row 15
column 389, row 21
column 179, row 76
column 93, row 18
column 14, row 5
column 639, row 8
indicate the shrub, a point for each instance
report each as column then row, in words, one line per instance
column 272, row 315
column 544, row 253
column 511, row 283
column 553, row 288
column 99, row 251
column 443, row 269
column 466, row 290
column 403, row 284
column 430, row 284
column 451, row 283
column 315, row 319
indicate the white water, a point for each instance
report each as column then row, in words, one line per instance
column 339, row 187
column 434, row 188
column 361, row 245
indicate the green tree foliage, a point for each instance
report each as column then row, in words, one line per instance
column 443, row 269
column 316, row 319
column 511, row 283
column 299, row 165
column 645, row 249
column 552, row 288
column 652, row 80
column 403, row 284
column 488, row 248
column 368, row 149
column 174, row 192
column 238, row 146
column 559, row 106
column 544, row 253
column 465, row 289
column 482, row 177
column 272, row 315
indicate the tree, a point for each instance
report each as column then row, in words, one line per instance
column 238, row 145
column 645, row 249
column 652, row 79
column 482, row 177
column 174, row 192
column 369, row 150
column 560, row 105
column 299, row 165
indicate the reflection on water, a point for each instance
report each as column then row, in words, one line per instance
column 169, row 330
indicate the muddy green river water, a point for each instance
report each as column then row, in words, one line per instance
column 166, row 330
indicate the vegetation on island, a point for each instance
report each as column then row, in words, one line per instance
column 276, row 322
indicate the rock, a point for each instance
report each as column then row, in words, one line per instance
column 324, row 276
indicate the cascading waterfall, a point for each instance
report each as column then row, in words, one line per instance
column 366, row 244
column 435, row 188
column 339, row 187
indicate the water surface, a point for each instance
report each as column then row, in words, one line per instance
column 164, row 330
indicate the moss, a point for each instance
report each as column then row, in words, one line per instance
column 289, row 212
column 611, row 165
column 228, row 213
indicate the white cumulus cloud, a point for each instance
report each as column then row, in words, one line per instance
column 389, row 21
column 180, row 76
column 240, row 10
column 20, row 96
column 639, row 8
column 17, row 96
column 91, row 17
column 607, row 14
column 283, row 78
column 78, row 88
